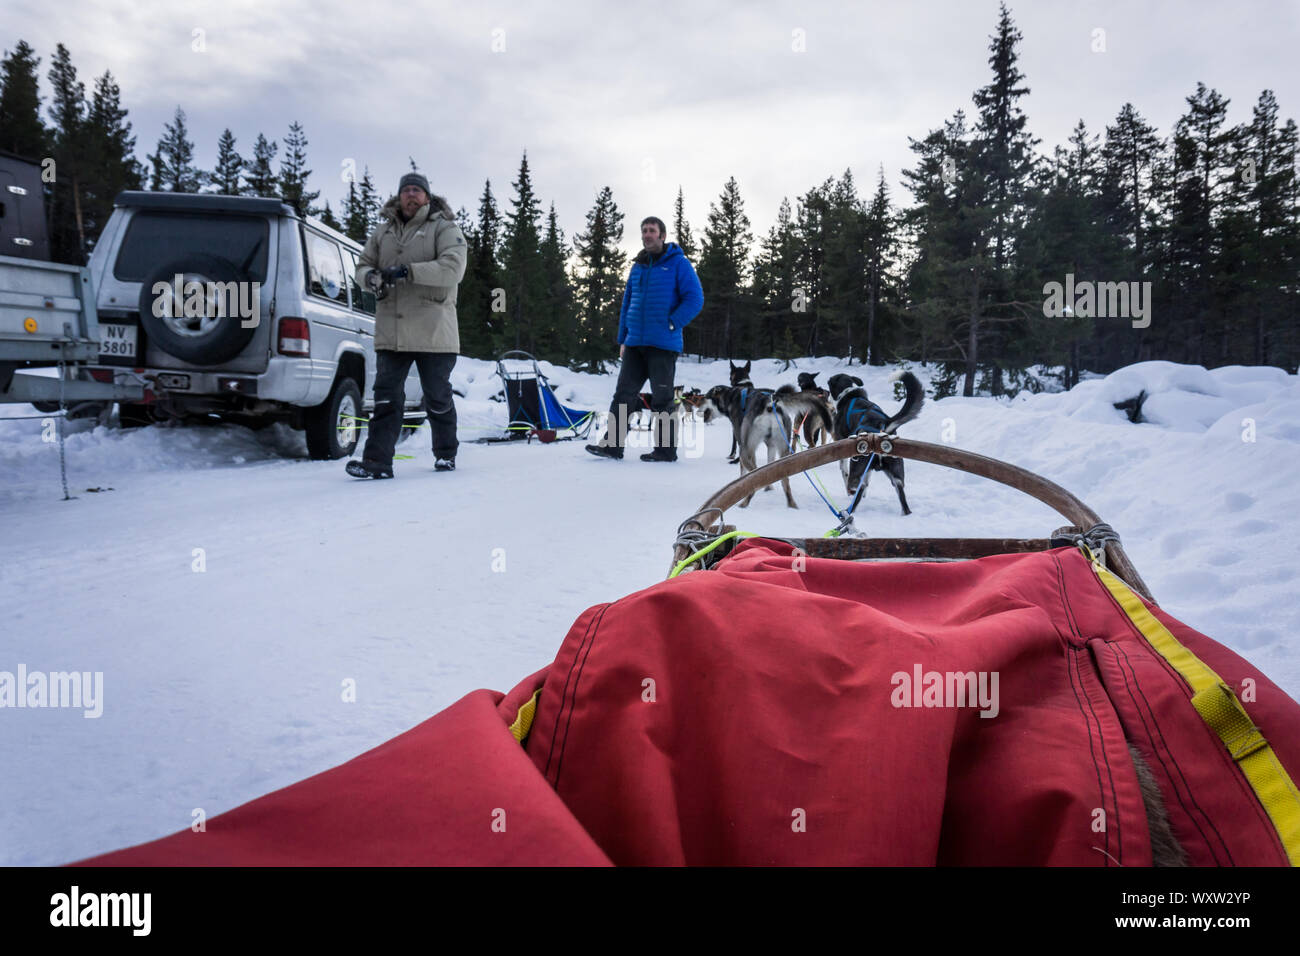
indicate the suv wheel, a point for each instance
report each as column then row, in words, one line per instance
column 211, row 338
column 332, row 426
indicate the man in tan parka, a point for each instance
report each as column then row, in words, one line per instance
column 413, row 263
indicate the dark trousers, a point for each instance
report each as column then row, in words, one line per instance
column 641, row 362
column 391, row 369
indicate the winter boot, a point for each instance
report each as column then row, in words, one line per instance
column 444, row 464
column 368, row 469
column 606, row 449
column 665, row 436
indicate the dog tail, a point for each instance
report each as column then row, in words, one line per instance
column 912, row 404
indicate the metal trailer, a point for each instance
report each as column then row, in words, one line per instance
column 48, row 319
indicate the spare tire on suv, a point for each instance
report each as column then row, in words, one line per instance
column 213, row 337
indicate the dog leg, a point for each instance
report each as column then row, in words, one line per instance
column 777, row 449
column 748, row 462
column 897, row 478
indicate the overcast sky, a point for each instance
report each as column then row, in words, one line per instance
column 644, row 96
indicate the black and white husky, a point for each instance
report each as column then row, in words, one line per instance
column 763, row 418
column 854, row 412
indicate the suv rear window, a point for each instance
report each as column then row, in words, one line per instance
column 153, row 238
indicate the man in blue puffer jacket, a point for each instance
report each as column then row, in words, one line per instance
column 663, row 294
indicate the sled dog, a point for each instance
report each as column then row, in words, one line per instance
column 854, row 412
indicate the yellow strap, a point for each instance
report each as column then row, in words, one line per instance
column 524, row 720
column 1223, row 713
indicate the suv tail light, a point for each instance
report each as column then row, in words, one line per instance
column 295, row 337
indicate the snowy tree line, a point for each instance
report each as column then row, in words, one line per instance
column 1209, row 215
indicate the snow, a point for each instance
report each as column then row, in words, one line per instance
column 223, row 684
column 1179, row 397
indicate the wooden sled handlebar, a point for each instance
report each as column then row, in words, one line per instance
column 1071, row 508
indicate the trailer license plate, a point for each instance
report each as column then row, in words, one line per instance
column 117, row 340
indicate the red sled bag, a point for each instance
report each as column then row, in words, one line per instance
column 1018, row 709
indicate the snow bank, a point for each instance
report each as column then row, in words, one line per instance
column 1185, row 398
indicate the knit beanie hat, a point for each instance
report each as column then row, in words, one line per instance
column 415, row 179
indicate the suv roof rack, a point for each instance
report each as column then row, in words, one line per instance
column 204, row 202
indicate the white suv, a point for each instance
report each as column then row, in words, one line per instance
column 236, row 307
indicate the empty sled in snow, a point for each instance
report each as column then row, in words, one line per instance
column 533, row 407
column 992, row 702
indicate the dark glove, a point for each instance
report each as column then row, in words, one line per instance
column 394, row 273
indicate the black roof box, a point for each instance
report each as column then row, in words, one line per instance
column 204, row 202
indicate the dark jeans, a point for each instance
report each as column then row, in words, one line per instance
column 391, row 369
column 641, row 362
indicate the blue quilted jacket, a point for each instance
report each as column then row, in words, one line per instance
column 661, row 297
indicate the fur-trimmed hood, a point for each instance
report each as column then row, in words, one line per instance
column 438, row 204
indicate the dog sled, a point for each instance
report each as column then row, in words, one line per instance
column 533, row 408
column 838, row 701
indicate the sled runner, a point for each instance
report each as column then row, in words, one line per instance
column 533, row 407
column 984, row 702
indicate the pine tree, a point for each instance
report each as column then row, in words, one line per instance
column 879, row 243
column 843, row 269
column 1005, row 149
column 522, row 260
column 173, row 161
column 773, row 288
column 226, row 176
column 1004, row 157
column 557, row 329
column 112, row 166
column 259, row 178
column 482, row 330
column 1201, row 167
column 1272, row 209
column 949, row 226
column 328, row 218
column 724, row 269
column 294, row 173
column 681, row 228
column 599, row 280
column 70, row 147
column 21, row 130
column 368, row 204
column 1068, row 233
column 354, row 223
column 1130, row 157
column 813, row 226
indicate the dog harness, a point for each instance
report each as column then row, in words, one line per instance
column 744, row 396
column 869, row 418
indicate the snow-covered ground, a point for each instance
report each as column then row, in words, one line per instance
column 222, row 684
